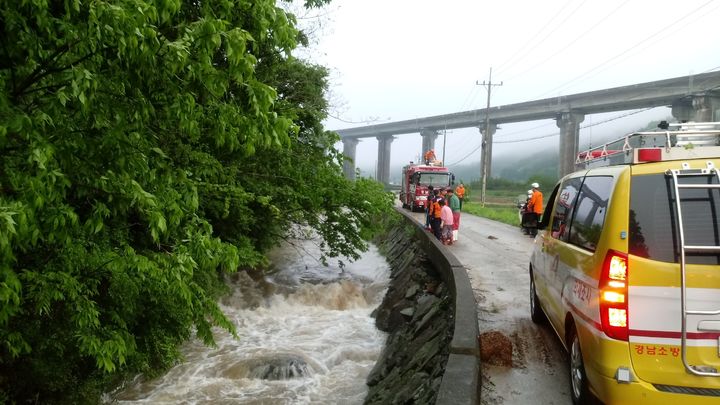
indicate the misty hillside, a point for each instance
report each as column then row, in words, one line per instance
column 539, row 163
column 519, row 167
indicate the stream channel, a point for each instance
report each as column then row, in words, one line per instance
column 306, row 336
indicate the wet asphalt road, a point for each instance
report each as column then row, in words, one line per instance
column 496, row 258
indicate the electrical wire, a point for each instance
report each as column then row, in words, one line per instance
column 581, row 127
column 461, row 143
column 663, row 30
column 504, row 134
column 473, row 94
column 521, row 51
column 466, row 156
column 571, row 43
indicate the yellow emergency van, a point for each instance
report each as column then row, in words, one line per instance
column 626, row 268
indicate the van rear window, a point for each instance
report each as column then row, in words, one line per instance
column 653, row 222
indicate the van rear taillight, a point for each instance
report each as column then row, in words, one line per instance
column 614, row 295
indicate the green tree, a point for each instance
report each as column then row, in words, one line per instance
column 149, row 147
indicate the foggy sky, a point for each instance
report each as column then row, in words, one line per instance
column 404, row 59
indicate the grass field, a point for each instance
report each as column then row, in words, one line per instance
column 504, row 213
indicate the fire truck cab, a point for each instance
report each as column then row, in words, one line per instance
column 626, row 268
column 415, row 181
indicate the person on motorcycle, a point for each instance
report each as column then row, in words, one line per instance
column 525, row 215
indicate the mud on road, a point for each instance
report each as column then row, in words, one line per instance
column 496, row 258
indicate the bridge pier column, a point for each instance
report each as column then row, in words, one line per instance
column 349, row 150
column 569, row 124
column 486, row 151
column 383, row 165
column 428, row 141
column 703, row 108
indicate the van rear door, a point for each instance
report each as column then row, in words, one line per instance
column 672, row 344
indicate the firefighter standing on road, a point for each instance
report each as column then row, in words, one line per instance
column 535, row 207
column 435, row 215
column 454, row 203
column 428, row 207
column 460, row 193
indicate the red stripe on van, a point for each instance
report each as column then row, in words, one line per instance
column 646, row 333
column 675, row 335
column 584, row 317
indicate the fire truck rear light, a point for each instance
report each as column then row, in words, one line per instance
column 617, row 317
column 649, row 155
column 616, row 284
column 612, row 296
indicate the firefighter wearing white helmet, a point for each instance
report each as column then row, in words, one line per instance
column 535, row 207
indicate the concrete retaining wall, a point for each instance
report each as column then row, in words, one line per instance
column 432, row 353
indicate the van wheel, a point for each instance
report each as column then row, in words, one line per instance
column 578, row 379
column 536, row 313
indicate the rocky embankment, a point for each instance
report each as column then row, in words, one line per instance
column 417, row 312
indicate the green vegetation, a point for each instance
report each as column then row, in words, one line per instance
column 501, row 213
column 148, row 149
column 501, row 198
column 505, row 192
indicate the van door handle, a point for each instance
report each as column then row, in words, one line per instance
column 713, row 326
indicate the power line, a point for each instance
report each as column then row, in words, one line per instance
column 466, row 156
column 657, row 33
column 473, row 94
column 525, row 130
column 535, row 65
column 581, row 127
column 521, row 51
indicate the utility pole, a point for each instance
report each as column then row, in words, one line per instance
column 444, row 143
column 486, row 138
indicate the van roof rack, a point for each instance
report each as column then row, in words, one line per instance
column 672, row 141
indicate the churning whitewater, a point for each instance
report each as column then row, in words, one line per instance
column 305, row 335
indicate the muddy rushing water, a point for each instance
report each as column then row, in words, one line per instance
column 305, row 336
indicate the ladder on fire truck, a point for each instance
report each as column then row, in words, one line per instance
column 685, row 172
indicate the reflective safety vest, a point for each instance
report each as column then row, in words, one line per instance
column 436, row 209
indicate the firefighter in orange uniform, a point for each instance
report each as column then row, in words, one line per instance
column 460, row 193
column 429, row 156
column 535, row 207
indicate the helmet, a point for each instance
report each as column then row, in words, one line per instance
column 535, row 185
column 530, row 193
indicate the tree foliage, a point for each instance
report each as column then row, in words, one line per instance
column 149, row 147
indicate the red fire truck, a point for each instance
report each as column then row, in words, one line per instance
column 415, row 181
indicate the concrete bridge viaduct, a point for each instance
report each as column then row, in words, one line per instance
column 692, row 98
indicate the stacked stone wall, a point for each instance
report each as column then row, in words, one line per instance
column 429, row 312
